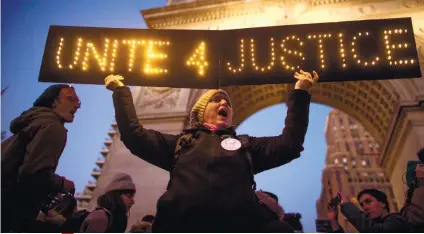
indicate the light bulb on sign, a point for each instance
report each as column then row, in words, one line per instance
column 272, row 55
column 320, row 46
column 289, row 52
column 59, row 49
column 198, row 59
column 355, row 55
column 230, row 68
column 394, row 47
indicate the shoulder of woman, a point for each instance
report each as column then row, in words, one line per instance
column 98, row 215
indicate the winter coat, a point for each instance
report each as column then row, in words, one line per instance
column 414, row 212
column 391, row 223
column 210, row 185
column 31, row 155
column 99, row 220
column 29, row 160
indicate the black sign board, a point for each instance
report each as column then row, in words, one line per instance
column 342, row 51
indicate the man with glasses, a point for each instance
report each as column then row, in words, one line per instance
column 30, row 157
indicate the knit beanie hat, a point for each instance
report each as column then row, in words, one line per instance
column 377, row 194
column 120, row 181
column 50, row 94
column 198, row 110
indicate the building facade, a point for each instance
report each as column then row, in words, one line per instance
column 351, row 164
column 392, row 111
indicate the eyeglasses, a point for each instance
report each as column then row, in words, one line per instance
column 74, row 100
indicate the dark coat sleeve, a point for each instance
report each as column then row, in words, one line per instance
column 414, row 212
column 393, row 223
column 150, row 145
column 340, row 230
column 271, row 152
column 42, row 156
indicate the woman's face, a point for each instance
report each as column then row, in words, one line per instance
column 218, row 111
column 128, row 199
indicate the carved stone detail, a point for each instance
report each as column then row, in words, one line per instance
column 367, row 10
column 419, row 40
column 412, row 3
column 155, row 98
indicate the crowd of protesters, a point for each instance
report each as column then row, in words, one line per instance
column 211, row 186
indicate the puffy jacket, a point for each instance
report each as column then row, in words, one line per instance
column 208, row 184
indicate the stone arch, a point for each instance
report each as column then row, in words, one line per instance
column 373, row 103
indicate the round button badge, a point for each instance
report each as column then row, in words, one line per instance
column 231, row 144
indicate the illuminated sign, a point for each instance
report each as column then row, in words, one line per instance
column 342, row 51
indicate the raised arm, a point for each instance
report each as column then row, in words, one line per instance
column 271, row 152
column 393, row 223
column 152, row 146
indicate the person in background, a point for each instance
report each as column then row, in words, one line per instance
column 143, row 225
column 30, row 157
column 111, row 214
column 293, row 219
column 374, row 217
column 275, row 212
column 413, row 210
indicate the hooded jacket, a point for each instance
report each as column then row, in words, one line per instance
column 391, row 223
column 30, row 156
column 208, row 184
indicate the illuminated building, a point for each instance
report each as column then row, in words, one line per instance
column 351, row 164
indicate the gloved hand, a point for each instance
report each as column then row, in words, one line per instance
column 113, row 81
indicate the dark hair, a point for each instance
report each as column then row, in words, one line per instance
column 113, row 202
column 421, row 154
column 47, row 98
column 293, row 219
column 377, row 194
column 271, row 195
column 148, row 218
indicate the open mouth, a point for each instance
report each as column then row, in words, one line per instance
column 223, row 112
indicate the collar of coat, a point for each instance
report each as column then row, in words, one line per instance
column 221, row 131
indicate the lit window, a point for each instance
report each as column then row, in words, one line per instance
column 364, row 163
column 344, row 160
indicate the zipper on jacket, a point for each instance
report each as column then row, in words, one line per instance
column 212, row 161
